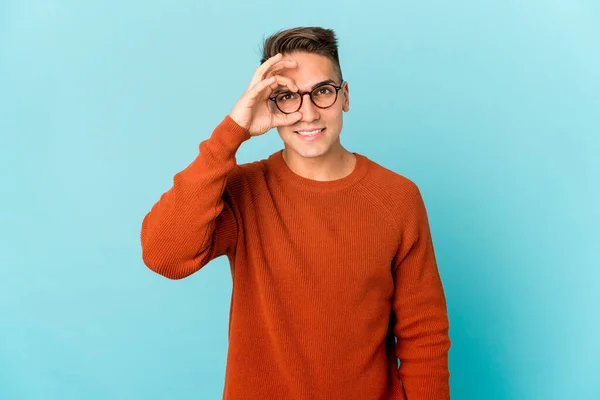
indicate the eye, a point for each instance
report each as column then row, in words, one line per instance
column 323, row 91
column 287, row 96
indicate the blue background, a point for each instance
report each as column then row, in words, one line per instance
column 492, row 108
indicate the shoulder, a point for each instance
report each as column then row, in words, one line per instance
column 246, row 176
column 392, row 190
column 388, row 183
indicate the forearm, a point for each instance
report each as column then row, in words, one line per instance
column 177, row 233
column 423, row 355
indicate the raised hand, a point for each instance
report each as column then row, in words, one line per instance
column 253, row 111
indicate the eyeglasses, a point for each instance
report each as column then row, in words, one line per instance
column 323, row 96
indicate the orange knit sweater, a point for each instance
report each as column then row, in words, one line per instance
column 333, row 282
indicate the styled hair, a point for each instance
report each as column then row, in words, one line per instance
column 304, row 39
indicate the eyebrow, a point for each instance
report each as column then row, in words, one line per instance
column 283, row 89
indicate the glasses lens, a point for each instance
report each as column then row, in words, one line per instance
column 324, row 96
column 288, row 102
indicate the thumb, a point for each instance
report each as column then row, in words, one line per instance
column 287, row 119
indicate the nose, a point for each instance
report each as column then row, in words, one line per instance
column 309, row 111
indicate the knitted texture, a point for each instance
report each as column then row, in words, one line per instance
column 333, row 281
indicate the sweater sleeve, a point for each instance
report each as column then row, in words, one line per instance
column 193, row 222
column 420, row 320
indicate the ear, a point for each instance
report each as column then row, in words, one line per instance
column 346, row 93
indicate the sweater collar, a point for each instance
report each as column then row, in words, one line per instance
column 279, row 167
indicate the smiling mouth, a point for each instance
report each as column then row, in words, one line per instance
column 310, row 133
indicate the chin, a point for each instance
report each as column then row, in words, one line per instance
column 308, row 153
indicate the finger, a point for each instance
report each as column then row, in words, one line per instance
column 255, row 90
column 264, row 67
column 286, row 119
column 284, row 81
column 270, row 84
column 280, row 66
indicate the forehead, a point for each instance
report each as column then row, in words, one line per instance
column 311, row 69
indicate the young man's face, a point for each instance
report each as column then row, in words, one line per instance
column 311, row 70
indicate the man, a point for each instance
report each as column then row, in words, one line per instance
column 333, row 267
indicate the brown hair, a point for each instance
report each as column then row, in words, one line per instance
column 304, row 39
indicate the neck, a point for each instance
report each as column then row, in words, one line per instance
column 336, row 164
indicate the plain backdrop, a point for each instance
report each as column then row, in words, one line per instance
column 491, row 107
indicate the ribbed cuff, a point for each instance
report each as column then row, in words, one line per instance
column 228, row 136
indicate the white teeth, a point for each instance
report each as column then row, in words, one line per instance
column 310, row 133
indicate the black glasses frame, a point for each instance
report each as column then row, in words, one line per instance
column 310, row 94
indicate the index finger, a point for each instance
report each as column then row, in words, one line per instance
column 264, row 67
column 279, row 66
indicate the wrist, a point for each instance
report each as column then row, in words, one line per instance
column 239, row 121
